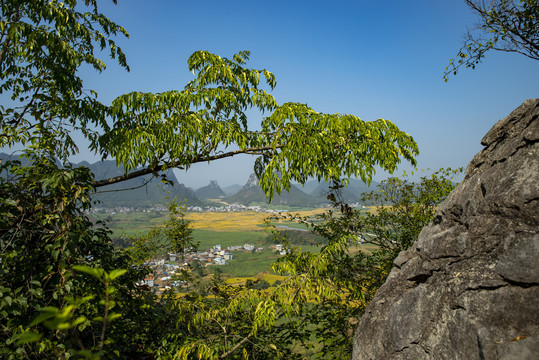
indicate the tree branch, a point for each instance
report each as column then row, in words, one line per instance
column 243, row 341
column 175, row 164
column 131, row 188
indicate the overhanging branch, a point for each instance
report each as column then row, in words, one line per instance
column 175, row 164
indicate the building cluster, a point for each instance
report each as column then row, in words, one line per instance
column 165, row 270
column 207, row 208
column 231, row 208
column 126, row 209
column 163, row 276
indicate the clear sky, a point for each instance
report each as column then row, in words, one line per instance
column 373, row 59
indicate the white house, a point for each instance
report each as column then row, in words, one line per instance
column 148, row 281
column 219, row 261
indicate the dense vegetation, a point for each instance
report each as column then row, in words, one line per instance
column 66, row 291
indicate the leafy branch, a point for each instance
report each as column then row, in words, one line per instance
column 505, row 25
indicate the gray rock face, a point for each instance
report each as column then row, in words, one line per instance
column 469, row 287
column 252, row 182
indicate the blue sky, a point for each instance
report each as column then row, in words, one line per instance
column 373, row 59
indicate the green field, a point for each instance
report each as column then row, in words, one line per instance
column 209, row 238
column 243, row 264
column 132, row 223
column 291, row 225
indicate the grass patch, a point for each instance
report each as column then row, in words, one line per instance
column 132, row 223
column 315, row 249
column 270, row 278
column 209, row 239
column 290, row 225
column 246, row 264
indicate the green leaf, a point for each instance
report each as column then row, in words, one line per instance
column 114, row 274
column 28, row 337
column 46, row 314
column 95, row 272
column 114, row 316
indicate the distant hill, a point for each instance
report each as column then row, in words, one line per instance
column 211, row 191
column 231, row 189
column 154, row 193
column 250, row 194
column 350, row 194
column 309, row 186
column 16, row 157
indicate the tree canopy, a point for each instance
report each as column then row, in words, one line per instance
column 504, row 25
column 45, row 43
column 65, row 290
column 207, row 117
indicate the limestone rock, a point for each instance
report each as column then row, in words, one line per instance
column 211, row 191
column 469, row 287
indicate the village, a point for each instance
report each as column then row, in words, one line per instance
column 207, row 208
column 165, row 271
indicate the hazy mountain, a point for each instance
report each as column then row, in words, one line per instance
column 16, row 157
column 250, row 193
column 156, row 192
column 211, row 191
column 350, row 194
column 309, row 186
column 144, row 191
column 151, row 194
column 231, row 189
column 6, row 157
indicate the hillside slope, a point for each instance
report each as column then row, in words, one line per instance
column 250, row 194
column 211, row 191
column 144, row 191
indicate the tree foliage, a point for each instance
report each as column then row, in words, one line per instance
column 504, row 25
column 174, row 237
column 209, row 116
column 47, row 310
column 336, row 284
column 43, row 44
column 65, row 290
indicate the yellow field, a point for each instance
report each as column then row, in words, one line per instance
column 234, row 221
column 226, row 221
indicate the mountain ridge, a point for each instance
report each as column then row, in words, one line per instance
column 211, row 191
column 144, row 191
column 250, row 193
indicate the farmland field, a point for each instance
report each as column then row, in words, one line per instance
column 246, row 264
column 243, row 221
column 209, row 238
column 220, row 228
column 227, row 221
column 132, row 223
